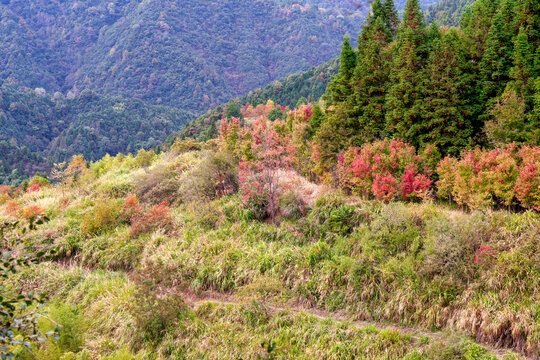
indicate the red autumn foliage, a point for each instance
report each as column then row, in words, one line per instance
column 5, row 190
column 159, row 216
column 132, row 209
column 527, row 185
column 12, row 208
column 308, row 111
column 259, row 176
column 387, row 170
column 483, row 178
column 32, row 211
column 33, row 188
column 483, row 255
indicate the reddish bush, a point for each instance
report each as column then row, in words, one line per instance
column 385, row 187
column 32, row 211
column 259, row 177
column 387, row 170
column 12, row 208
column 527, row 185
column 103, row 217
column 483, row 255
column 33, row 188
column 159, row 216
column 483, row 178
column 5, row 190
column 39, row 181
column 132, row 209
column 414, row 185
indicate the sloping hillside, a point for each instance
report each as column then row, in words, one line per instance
column 135, row 276
column 193, row 54
column 38, row 130
column 447, row 12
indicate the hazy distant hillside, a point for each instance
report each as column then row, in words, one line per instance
column 447, row 12
column 193, row 54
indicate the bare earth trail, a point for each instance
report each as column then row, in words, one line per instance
column 197, row 299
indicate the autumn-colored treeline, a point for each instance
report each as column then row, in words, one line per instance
column 387, row 170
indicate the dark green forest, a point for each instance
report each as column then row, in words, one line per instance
column 447, row 12
column 38, row 130
column 449, row 88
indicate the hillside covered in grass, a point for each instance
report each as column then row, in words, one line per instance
column 162, row 257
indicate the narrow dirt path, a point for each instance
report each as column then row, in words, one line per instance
column 197, row 299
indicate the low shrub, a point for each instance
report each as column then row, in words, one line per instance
column 31, row 211
column 215, row 176
column 5, row 190
column 132, row 209
column 181, row 146
column 38, row 181
column 484, row 178
column 292, row 206
column 104, row 216
column 12, row 208
column 157, row 185
column 158, row 216
column 144, row 158
column 4, row 198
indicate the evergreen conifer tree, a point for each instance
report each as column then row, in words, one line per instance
column 523, row 64
column 445, row 120
column 339, row 88
column 409, row 59
column 371, row 78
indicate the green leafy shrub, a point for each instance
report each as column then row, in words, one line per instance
column 104, row 216
column 158, row 185
column 144, row 158
column 215, row 176
column 292, row 206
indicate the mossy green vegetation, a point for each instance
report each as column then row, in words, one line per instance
column 339, row 279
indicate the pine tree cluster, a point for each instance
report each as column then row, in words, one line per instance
column 453, row 88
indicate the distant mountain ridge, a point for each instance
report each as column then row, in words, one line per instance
column 193, row 55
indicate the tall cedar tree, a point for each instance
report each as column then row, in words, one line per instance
column 371, row 78
column 476, row 24
column 534, row 117
column 404, row 98
column 522, row 70
column 497, row 60
column 338, row 129
column 340, row 88
column 445, row 121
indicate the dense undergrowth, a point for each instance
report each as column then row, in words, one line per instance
column 134, row 236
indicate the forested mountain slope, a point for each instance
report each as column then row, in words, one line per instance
column 193, row 55
column 37, row 130
column 447, row 12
